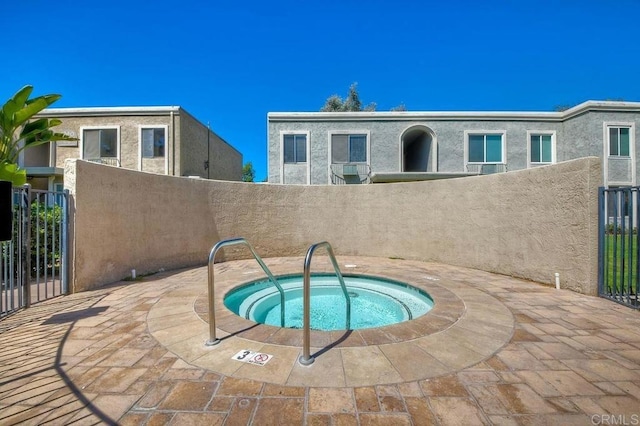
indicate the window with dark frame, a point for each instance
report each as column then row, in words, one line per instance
column 619, row 145
column 485, row 148
column 348, row 148
column 541, row 148
column 153, row 140
column 295, row 148
column 99, row 143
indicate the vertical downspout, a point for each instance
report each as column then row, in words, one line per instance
column 173, row 144
column 208, row 150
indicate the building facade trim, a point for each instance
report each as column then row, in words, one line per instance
column 609, row 106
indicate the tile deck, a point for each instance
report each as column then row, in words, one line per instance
column 494, row 350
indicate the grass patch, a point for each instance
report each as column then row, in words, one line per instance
column 621, row 263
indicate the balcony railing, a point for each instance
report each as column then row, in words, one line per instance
column 350, row 173
column 109, row 161
column 487, row 168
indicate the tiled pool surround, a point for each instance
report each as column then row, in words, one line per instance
column 90, row 357
column 465, row 327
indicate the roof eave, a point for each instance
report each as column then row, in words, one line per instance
column 612, row 106
column 108, row 111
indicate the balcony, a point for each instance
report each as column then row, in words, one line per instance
column 109, row 161
column 487, row 168
column 350, row 173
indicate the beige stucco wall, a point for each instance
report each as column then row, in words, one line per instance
column 225, row 162
column 185, row 156
column 129, row 136
column 193, row 147
column 528, row 224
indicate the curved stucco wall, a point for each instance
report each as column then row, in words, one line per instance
column 529, row 223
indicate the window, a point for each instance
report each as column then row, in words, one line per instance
column 99, row 143
column 541, row 148
column 57, row 196
column 153, row 142
column 295, row 148
column 349, row 148
column 485, row 148
column 619, row 141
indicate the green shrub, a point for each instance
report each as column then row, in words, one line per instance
column 45, row 221
column 610, row 230
column 46, row 253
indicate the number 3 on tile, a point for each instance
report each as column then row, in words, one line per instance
column 243, row 355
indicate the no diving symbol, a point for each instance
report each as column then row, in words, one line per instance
column 261, row 358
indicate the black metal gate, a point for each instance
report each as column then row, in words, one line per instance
column 34, row 263
column 618, row 242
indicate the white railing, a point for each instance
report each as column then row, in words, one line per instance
column 109, row 161
column 487, row 168
column 350, row 173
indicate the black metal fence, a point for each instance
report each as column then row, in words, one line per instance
column 33, row 264
column 618, row 241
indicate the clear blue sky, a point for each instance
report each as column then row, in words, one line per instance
column 229, row 63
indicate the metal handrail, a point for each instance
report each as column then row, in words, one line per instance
column 306, row 358
column 212, row 254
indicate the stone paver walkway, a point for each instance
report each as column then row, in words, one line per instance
column 505, row 351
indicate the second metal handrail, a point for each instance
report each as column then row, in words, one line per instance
column 306, row 358
column 212, row 254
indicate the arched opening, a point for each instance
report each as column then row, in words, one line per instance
column 417, row 149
